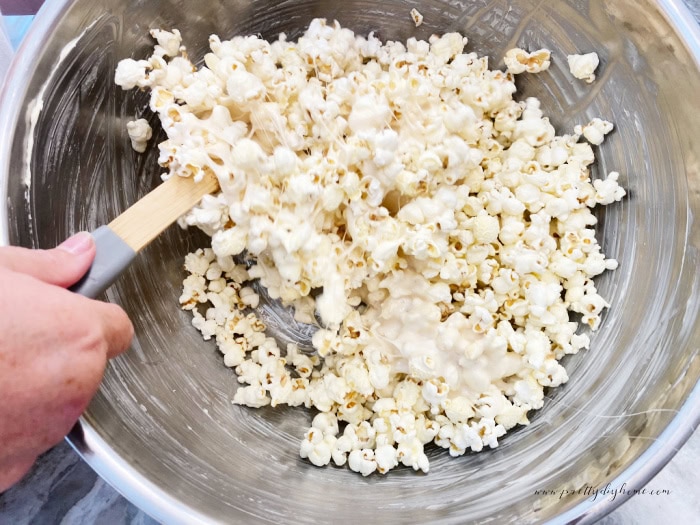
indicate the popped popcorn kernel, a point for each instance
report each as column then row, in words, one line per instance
column 583, row 66
column 417, row 17
column 140, row 133
column 520, row 61
column 595, row 131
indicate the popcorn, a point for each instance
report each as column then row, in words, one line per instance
column 486, row 228
column 249, row 297
column 595, row 131
column 318, row 447
column 362, row 461
column 131, row 73
column 439, row 231
column 140, row 133
column 417, row 17
column 168, row 43
column 253, row 396
column 410, row 453
column 386, row 456
column 464, row 437
column 583, row 66
column 519, row 61
column 608, row 190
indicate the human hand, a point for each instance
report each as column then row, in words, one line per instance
column 54, row 346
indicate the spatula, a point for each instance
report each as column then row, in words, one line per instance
column 120, row 241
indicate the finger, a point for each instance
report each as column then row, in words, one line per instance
column 63, row 266
column 117, row 328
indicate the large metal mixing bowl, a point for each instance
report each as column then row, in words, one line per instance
column 163, row 430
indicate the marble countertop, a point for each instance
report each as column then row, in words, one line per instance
column 62, row 489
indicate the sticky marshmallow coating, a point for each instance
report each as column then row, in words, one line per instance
column 445, row 225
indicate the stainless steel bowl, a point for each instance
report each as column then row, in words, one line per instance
column 162, row 429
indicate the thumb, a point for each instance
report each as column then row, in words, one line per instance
column 63, row 266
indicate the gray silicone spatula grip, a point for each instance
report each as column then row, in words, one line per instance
column 118, row 243
column 112, row 258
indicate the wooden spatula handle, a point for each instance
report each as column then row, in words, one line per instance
column 146, row 219
column 118, row 243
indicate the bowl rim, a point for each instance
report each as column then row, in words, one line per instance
column 157, row 503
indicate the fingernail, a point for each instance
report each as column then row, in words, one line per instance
column 77, row 244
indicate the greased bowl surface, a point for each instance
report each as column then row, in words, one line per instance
column 163, row 430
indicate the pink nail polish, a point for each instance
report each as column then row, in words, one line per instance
column 77, row 244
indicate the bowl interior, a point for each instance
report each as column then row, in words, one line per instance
column 164, row 412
